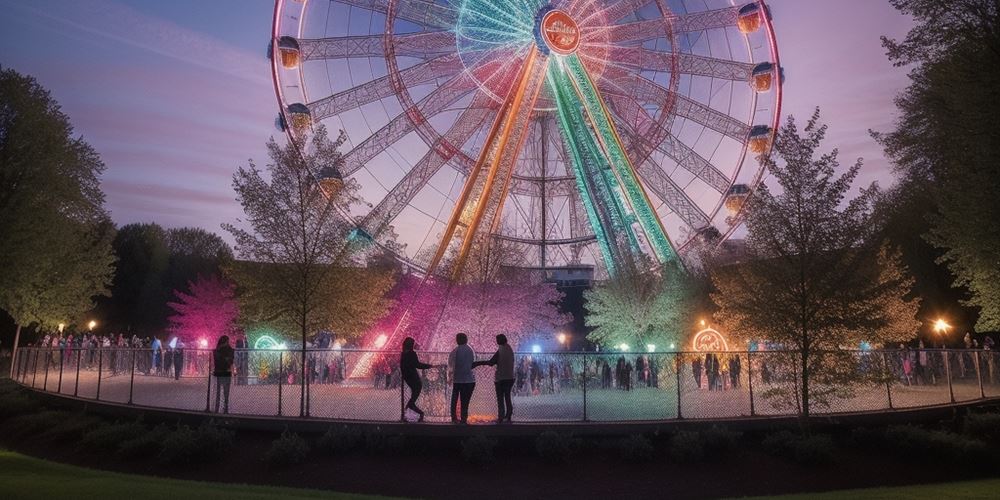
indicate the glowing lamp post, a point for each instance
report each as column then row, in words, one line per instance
column 563, row 340
column 941, row 327
column 63, row 325
column 90, row 325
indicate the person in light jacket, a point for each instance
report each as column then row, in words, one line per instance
column 503, row 378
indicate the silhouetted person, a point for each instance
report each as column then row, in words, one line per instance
column 503, row 379
column 408, row 366
column 178, row 359
column 463, row 381
column 222, row 357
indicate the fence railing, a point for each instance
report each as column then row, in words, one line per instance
column 548, row 387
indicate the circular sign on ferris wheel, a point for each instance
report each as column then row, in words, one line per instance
column 560, row 32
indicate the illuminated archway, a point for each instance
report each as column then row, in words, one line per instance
column 709, row 340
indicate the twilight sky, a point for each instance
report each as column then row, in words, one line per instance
column 176, row 94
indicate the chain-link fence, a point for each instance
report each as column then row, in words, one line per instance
column 547, row 387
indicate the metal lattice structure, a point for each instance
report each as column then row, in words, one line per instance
column 581, row 131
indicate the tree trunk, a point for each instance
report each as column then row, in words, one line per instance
column 302, row 381
column 13, row 352
column 805, row 377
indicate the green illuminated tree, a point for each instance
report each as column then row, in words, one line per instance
column 56, row 243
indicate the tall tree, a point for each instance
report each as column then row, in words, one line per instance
column 294, row 243
column 207, row 312
column 56, row 244
column 946, row 140
column 815, row 279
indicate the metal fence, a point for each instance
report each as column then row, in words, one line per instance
column 548, row 387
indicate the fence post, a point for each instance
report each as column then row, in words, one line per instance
column 76, row 385
column 979, row 375
column 131, row 377
column 307, row 371
column 281, row 376
column 753, row 409
column 677, row 373
column 62, row 361
column 885, row 373
column 208, row 390
column 100, row 367
column 584, row 387
column 402, row 406
column 34, row 369
column 45, row 379
column 947, row 372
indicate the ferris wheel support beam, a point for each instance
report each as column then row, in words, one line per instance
column 381, row 88
column 425, row 13
column 648, row 135
column 422, row 44
column 640, row 31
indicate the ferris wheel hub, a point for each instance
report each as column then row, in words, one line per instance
column 557, row 31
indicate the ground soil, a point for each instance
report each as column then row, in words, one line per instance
column 433, row 468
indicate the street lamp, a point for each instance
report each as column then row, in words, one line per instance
column 91, row 325
column 562, row 339
column 61, row 326
column 941, row 328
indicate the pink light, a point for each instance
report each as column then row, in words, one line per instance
column 380, row 340
column 203, row 343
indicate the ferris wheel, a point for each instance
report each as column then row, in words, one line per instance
column 580, row 132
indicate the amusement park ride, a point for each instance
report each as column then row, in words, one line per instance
column 599, row 133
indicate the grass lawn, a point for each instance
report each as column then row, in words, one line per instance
column 27, row 477
column 987, row 488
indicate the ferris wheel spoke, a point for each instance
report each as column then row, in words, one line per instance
column 423, row 44
column 422, row 12
column 688, row 64
column 644, row 90
column 649, row 135
column 383, row 87
column 446, row 148
column 638, row 31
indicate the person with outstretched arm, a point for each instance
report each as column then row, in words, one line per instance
column 408, row 366
column 503, row 378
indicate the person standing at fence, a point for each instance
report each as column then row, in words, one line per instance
column 222, row 359
column 408, row 366
column 178, row 358
column 503, row 378
column 463, row 381
column 242, row 365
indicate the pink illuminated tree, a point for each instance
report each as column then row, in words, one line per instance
column 208, row 311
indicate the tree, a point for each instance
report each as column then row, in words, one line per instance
column 207, row 312
column 946, row 142
column 639, row 309
column 816, row 278
column 294, row 243
column 56, row 244
column 139, row 292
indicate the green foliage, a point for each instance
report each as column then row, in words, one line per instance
column 288, row 449
column 70, row 428
column 110, row 437
column 946, row 141
column 556, row 446
column 378, row 441
column 636, row 449
column 29, row 425
column 916, row 443
column 642, row 308
column 478, row 449
column 983, row 426
column 687, row 447
column 340, row 439
column 190, row 446
column 807, row 449
column 719, row 439
column 17, row 403
column 147, row 444
column 49, row 195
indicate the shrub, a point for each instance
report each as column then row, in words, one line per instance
column 719, row 439
column 109, row 437
column 808, row 449
column 635, row 449
column 32, row 424
column 340, row 439
column 687, row 446
column 289, row 449
column 916, row 443
column 983, row 426
column 204, row 444
column 17, row 403
column 478, row 449
column 377, row 442
column 70, row 428
column 147, row 444
column 555, row 446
